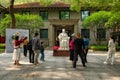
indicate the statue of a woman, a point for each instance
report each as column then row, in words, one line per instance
column 64, row 40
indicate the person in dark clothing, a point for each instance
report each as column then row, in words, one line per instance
column 36, row 47
column 25, row 42
column 79, row 46
column 31, row 53
column 86, row 42
column 42, row 52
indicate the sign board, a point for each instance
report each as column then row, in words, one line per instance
column 9, row 35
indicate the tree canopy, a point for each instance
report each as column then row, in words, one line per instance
column 95, row 21
column 22, row 22
column 111, row 5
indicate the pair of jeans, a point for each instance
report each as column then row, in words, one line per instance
column 42, row 56
column 25, row 50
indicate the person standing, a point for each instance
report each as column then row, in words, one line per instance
column 79, row 46
column 36, row 47
column 42, row 52
column 86, row 43
column 31, row 53
column 71, row 44
column 16, row 52
column 111, row 51
column 25, row 42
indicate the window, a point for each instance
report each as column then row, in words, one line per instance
column 26, row 12
column 101, row 34
column 43, row 33
column 85, row 14
column 44, row 15
column 85, row 32
column 64, row 15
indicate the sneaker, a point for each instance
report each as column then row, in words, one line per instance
column 105, row 62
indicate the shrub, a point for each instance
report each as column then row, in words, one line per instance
column 2, row 47
column 102, row 47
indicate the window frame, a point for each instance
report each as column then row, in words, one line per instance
column 85, row 15
column 44, row 17
column 41, row 34
column 60, row 13
column 100, row 36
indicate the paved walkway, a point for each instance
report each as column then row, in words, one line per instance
column 59, row 68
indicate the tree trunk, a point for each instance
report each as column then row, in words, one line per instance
column 11, row 10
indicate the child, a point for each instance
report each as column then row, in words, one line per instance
column 42, row 52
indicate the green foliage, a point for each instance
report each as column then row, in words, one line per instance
column 118, row 48
column 2, row 50
column 28, row 21
column 100, row 4
column 102, row 47
column 97, row 19
column 2, row 46
column 114, row 21
column 5, row 23
column 22, row 22
column 116, row 6
column 75, row 5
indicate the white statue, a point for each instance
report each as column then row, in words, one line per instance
column 63, row 40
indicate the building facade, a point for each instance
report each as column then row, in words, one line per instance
column 58, row 16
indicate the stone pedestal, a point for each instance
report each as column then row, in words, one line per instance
column 61, row 53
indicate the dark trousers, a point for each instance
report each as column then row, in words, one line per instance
column 81, row 55
column 71, row 55
column 25, row 50
column 42, row 56
column 31, row 56
column 85, row 57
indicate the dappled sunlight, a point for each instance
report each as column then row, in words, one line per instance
column 48, row 67
column 13, row 68
column 60, row 68
column 46, row 74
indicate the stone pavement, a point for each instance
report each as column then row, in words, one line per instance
column 59, row 68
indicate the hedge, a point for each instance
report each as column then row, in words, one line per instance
column 2, row 47
column 102, row 47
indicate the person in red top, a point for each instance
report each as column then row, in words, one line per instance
column 71, row 45
column 16, row 52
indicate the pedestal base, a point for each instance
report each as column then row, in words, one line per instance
column 61, row 53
